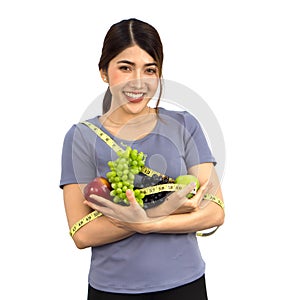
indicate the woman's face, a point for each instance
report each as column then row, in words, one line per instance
column 133, row 77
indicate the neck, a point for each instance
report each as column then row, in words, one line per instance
column 119, row 119
column 130, row 128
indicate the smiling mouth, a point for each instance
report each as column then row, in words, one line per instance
column 134, row 97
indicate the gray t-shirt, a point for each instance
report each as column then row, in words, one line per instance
column 150, row 262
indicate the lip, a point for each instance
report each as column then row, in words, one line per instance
column 134, row 97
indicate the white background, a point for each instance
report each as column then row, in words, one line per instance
column 242, row 57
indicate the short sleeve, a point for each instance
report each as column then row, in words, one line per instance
column 77, row 161
column 197, row 150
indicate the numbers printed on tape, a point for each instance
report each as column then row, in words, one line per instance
column 149, row 172
column 88, row 218
column 103, row 136
column 214, row 199
column 111, row 143
column 166, row 187
column 194, row 191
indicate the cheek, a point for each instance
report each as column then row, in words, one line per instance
column 153, row 83
column 117, row 82
column 116, row 78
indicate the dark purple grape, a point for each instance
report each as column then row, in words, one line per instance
column 143, row 181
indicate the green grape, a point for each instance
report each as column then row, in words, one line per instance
column 122, row 173
column 134, row 154
column 137, row 193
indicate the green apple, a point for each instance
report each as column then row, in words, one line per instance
column 187, row 179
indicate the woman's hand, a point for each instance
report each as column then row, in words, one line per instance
column 132, row 217
column 133, row 213
column 176, row 202
column 195, row 202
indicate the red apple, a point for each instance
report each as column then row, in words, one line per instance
column 99, row 186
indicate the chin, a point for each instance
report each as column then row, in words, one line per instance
column 135, row 108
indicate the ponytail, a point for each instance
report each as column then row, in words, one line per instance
column 106, row 101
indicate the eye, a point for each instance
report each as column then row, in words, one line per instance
column 125, row 68
column 151, row 71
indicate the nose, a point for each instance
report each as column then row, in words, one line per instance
column 136, row 80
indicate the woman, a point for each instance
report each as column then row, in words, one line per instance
column 137, row 253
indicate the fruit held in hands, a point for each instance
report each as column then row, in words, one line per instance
column 187, row 179
column 122, row 173
column 99, row 186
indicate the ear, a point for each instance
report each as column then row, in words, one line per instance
column 104, row 75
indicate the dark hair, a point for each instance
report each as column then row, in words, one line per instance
column 125, row 34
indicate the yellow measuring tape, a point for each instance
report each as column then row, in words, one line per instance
column 103, row 136
column 216, row 200
column 168, row 187
column 88, row 218
column 112, row 144
column 95, row 214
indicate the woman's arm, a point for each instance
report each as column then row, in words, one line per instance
column 209, row 183
column 205, row 214
column 204, row 218
column 95, row 233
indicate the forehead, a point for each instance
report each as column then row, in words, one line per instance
column 134, row 54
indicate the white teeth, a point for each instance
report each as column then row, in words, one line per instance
column 134, row 95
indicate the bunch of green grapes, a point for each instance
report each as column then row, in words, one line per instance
column 122, row 173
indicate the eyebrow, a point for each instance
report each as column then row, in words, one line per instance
column 133, row 64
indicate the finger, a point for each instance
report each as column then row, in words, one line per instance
column 103, row 209
column 131, row 198
column 100, row 204
column 177, row 199
column 209, row 188
column 203, row 188
column 93, row 205
column 102, row 201
column 185, row 191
